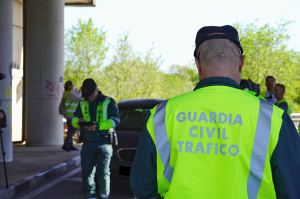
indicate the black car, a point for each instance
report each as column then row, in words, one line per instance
column 133, row 115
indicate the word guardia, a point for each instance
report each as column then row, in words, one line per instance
column 211, row 117
column 209, row 135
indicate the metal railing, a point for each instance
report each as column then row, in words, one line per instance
column 296, row 119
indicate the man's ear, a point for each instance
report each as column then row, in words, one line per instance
column 242, row 63
column 197, row 61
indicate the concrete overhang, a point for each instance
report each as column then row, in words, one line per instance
column 81, row 3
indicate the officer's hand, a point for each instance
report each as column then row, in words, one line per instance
column 1, row 115
column 81, row 120
column 92, row 127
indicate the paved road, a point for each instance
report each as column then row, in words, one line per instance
column 69, row 186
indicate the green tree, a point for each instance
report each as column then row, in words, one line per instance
column 131, row 75
column 179, row 80
column 85, row 50
column 267, row 53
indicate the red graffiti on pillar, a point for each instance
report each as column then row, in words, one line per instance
column 54, row 89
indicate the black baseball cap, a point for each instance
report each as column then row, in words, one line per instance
column 217, row 32
column 88, row 87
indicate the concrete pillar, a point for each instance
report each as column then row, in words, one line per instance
column 44, row 67
column 6, row 43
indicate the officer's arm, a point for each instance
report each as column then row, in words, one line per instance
column 143, row 172
column 113, row 118
column 285, row 161
column 76, row 116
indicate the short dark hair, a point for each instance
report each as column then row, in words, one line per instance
column 88, row 87
column 68, row 85
column 281, row 86
column 270, row 77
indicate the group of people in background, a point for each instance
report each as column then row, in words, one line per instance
column 275, row 94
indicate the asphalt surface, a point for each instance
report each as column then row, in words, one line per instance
column 70, row 186
column 50, row 172
column 32, row 166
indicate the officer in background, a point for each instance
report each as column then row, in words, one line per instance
column 217, row 141
column 279, row 92
column 96, row 114
column 69, row 102
column 270, row 85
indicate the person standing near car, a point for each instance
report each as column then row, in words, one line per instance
column 279, row 92
column 69, row 102
column 196, row 146
column 95, row 115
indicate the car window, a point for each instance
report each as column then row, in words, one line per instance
column 132, row 119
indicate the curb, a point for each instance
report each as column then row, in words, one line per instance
column 32, row 182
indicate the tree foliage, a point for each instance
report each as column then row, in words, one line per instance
column 85, row 50
column 133, row 74
column 181, row 79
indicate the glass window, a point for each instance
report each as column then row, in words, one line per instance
column 132, row 119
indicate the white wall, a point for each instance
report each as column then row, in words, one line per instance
column 17, row 71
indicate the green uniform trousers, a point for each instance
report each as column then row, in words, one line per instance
column 95, row 166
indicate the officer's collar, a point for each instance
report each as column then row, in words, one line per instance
column 217, row 81
column 100, row 97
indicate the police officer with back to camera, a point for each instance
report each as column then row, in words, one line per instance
column 217, row 141
column 95, row 115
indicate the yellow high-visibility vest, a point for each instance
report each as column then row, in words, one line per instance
column 215, row 143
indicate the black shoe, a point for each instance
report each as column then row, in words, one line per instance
column 72, row 148
column 65, row 148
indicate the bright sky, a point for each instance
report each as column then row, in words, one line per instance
column 170, row 26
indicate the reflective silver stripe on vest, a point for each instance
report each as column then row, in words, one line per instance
column 162, row 140
column 260, row 148
column 104, row 108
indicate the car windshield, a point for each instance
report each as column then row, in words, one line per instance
column 132, row 119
